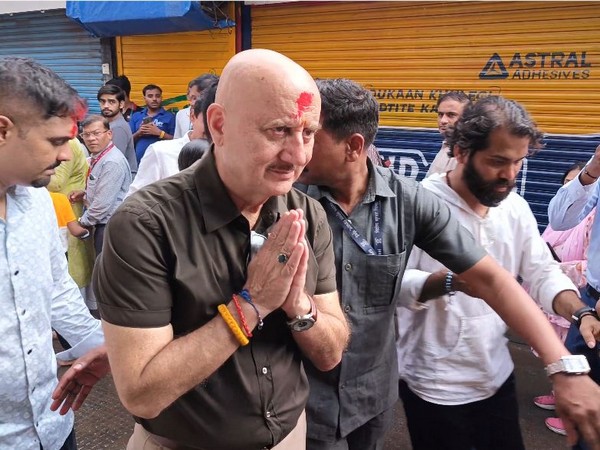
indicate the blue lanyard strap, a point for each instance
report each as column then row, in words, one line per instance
column 353, row 232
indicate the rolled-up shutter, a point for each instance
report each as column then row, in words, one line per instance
column 544, row 54
column 172, row 60
column 52, row 39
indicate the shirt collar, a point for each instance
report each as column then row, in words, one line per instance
column 160, row 111
column 377, row 186
column 218, row 209
column 21, row 196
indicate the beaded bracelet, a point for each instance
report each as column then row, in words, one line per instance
column 241, row 315
column 448, row 284
column 245, row 294
column 233, row 325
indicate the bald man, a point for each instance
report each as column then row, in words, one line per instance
column 206, row 320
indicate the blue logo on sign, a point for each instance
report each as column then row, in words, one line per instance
column 494, row 69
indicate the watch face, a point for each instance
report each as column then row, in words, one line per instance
column 302, row 324
column 575, row 364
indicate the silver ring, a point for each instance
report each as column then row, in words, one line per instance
column 282, row 258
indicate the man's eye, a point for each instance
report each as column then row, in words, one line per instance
column 280, row 130
column 308, row 133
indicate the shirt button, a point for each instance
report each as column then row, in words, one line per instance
column 265, row 370
column 347, row 308
column 268, row 414
column 16, row 272
column 348, row 267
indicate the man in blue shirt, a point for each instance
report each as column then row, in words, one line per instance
column 571, row 205
column 153, row 123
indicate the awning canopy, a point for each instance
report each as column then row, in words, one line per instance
column 125, row 18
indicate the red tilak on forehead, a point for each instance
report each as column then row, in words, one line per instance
column 78, row 116
column 304, row 101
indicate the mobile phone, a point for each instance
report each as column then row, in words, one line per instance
column 146, row 120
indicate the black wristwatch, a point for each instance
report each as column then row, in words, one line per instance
column 581, row 313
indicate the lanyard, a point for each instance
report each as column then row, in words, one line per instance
column 354, row 234
column 94, row 161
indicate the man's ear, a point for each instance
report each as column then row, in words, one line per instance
column 215, row 118
column 7, row 127
column 355, row 147
column 460, row 154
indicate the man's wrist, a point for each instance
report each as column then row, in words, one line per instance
column 302, row 309
column 85, row 235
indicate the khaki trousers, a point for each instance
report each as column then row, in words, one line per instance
column 142, row 440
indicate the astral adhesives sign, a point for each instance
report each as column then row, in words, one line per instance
column 559, row 65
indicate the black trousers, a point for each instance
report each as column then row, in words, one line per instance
column 99, row 238
column 490, row 424
column 370, row 436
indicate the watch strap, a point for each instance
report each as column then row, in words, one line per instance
column 581, row 313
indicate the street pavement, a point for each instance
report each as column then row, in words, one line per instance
column 102, row 423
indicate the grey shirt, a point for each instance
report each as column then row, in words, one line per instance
column 107, row 185
column 365, row 383
column 123, row 139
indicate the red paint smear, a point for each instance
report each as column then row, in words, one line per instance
column 304, row 102
column 78, row 115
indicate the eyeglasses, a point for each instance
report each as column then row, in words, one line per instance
column 93, row 134
column 256, row 242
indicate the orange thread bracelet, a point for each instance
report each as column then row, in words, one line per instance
column 241, row 315
column 233, row 325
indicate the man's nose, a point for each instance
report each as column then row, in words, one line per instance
column 65, row 153
column 510, row 172
column 294, row 151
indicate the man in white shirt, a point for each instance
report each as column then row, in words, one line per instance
column 38, row 117
column 183, row 119
column 449, row 108
column 455, row 368
column 160, row 159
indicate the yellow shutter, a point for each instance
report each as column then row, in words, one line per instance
column 409, row 53
column 172, row 60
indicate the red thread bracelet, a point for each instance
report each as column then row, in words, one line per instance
column 238, row 308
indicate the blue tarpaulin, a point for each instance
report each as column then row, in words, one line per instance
column 124, row 18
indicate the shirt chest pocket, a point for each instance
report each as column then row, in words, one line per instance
column 92, row 181
column 383, row 276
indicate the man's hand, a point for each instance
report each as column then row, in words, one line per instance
column 76, row 196
column 578, row 405
column 77, row 382
column 149, row 129
column 297, row 303
column 590, row 330
column 273, row 268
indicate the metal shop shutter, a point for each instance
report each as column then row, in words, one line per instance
column 172, row 60
column 543, row 54
column 53, row 40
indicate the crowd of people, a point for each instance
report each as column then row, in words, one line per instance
column 254, row 277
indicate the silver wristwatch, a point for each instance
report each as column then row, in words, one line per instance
column 305, row 322
column 570, row 365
